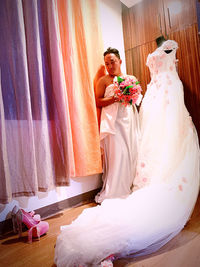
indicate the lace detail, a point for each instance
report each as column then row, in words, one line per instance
column 169, row 45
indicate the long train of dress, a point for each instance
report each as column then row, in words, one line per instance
column 167, row 177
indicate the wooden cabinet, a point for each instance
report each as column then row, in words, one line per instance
column 136, row 63
column 149, row 19
column 143, row 22
column 179, row 14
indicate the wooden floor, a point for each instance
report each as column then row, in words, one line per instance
column 182, row 251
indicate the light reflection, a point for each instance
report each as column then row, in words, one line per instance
column 175, row 7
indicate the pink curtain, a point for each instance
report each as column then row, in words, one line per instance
column 49, row 53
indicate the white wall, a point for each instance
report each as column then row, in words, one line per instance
column 110, row 16
column 111, row 23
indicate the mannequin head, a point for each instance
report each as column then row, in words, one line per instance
column 160, row 40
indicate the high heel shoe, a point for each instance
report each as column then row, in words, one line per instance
column 13, row 216
column 36, row 217
column 35, row 228
column 14, row 211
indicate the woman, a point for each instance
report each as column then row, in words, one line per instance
column 167, row 180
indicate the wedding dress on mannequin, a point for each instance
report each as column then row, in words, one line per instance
column 167, row 180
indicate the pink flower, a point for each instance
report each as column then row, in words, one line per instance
column 127, row 89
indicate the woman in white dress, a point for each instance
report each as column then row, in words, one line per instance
column 118, row 133
column 167, row 178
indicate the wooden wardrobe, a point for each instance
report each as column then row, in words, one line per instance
column 176, row 20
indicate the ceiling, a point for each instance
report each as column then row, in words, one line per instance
column 130, row 3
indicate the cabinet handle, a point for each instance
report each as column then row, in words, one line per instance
column 169, row 18
column 159, row 21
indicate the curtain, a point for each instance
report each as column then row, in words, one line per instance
column 49, row 53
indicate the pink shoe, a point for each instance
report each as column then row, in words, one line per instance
column 35, row 226
column 13, row 216
column 36, row 217
column 38, row 230
column 108, row 261
column 14, row 211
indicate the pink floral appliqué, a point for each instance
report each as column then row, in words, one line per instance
column 169, row 82
column 158, row 86
column 144, row 180
column 163, row 56
column 180, row 187
column 171, row 68
column 142, row 164
column 184, row 179
column 160, row 64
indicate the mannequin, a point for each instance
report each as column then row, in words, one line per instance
column 159, row 41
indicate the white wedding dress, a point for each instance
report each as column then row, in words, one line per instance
column 119, row 130
column 167, row 178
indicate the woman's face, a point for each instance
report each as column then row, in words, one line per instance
column 113, row 64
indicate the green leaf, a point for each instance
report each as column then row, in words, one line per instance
column 137, row 82
column 125, row 91
column 119, row 79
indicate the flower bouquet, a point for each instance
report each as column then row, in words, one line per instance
column 128, row 90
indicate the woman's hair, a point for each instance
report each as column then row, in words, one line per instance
column 111, row 50
column 160, row 40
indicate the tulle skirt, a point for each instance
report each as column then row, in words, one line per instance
column 167, row 183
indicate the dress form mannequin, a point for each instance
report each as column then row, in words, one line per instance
column 159, row 41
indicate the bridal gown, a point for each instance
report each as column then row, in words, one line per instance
column 119, row 131
column 167, row 180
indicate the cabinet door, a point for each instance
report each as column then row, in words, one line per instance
column 179, row 14
column 136, row 63
column 143, row 23
column 127, row 31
